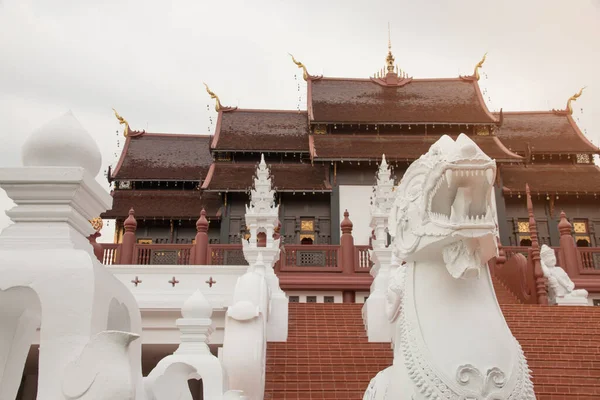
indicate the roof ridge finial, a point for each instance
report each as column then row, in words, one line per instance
column 574, row 98
column 218, row 105
column 389, row 60
column 305, row 73
column 122, row 121
column 479, row 65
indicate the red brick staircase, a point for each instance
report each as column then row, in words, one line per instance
column 327, row 355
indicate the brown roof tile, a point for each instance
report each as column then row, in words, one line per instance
column 546, row 132
column 552, row 178
column 395, row 147
column 420, row 101
column 163, row 203
column 164, row 157
column 239, row 177
column 266, row 130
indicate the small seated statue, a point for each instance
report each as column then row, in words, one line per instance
column 561, row 289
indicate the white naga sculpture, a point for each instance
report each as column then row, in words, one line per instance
column 561, row 289
column 259, row 312
column 451, row 339
column 51, row 280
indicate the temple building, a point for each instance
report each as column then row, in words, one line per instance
column 323, row 161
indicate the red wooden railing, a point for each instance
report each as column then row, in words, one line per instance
column 362, row 259
column 110, row 253
column 310, row 258
column 225, row 254
column 169, row 254
column 589, row 260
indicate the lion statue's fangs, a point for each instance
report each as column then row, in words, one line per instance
column 451, row 340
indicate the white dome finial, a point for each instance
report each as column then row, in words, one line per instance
column 63, row 142
column 196, row 306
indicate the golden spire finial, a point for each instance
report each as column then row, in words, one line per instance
column 389, row 60
column 574, row 98
column 479, row 65
column 305, row 73
column 122, row 121
column 218, row 105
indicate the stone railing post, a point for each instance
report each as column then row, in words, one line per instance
column 540, row 280
column 347, row 253
column 128, row 243
column 568, row 247
column 200, row 249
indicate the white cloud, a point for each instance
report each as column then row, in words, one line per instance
column 148, row 58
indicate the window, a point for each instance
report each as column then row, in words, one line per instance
column 294, row 299
column 523, row 236
column 311, row 299
column 328, row 299
column 582, row 236
column 307, row 231
column 596, row 302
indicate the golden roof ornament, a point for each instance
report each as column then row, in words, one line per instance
column 218, row 105
column 97, row 224
column 574, row 98
column 122, row 121
column 305, row 73
column 389, row 60
column 479, row 65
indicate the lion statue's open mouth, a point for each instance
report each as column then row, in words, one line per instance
column 444, row 203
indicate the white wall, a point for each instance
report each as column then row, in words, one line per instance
column 356, row 199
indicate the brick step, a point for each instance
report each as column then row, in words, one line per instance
column 278, row 376
column 317, row 386
column 301, row 354
column 327, row 355
column 315, row 395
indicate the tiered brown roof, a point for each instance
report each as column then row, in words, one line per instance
column 453, row 100
column 164, row 204
column 405, row 147
column 238, row 177
column 157, row 156
column 548, row 132
column 552, row 178
column 264, row 130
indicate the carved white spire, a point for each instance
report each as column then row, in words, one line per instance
column 383, row 191
column 262, row 196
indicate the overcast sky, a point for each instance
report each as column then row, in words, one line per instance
column 148, row 58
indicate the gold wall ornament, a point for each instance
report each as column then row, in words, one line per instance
column 97, row 224
column 305, row 73
column 479, row 65
column 482, row 131
column 574, row 98
column 122, row 121
column 320, row 130
column 218, row 105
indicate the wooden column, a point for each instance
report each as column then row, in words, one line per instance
column 347, row 254
column 130, row 225
column 200, row 249
column 568, row 247
column 540, row 280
